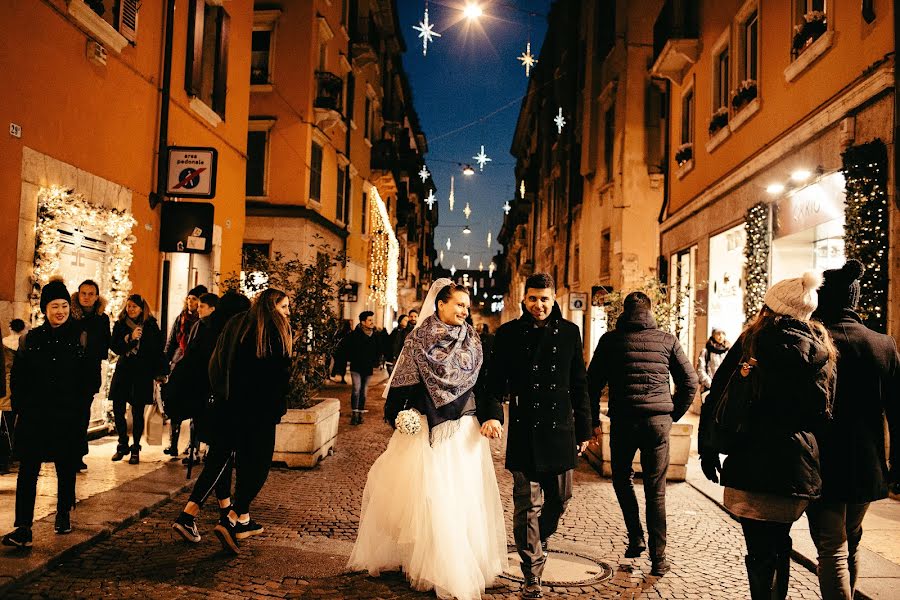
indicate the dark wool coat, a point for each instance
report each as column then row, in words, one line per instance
column 134, row 375
column 49, row 380
column 362, row 351
column 542, row 369
column 781, row 454
column 852, row 445
column 635, row 360
column 187, row 390
column 96, row 326
column 181, row 330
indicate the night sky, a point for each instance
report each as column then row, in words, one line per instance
column 470, row 72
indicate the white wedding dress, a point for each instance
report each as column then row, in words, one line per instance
column 434, row 512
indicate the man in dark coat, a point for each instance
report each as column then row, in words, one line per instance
column 537, row 360
column 852, row 445
column 88, row 308
column 363, row 349
column 636, row 360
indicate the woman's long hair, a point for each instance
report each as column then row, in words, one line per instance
column 137, row 300
column 271, row 327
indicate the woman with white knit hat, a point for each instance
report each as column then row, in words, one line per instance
column 772, row 474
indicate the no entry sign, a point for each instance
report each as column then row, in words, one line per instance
column 192, row 172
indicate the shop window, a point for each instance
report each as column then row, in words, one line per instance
column 682, row 294
column 315, row 173
column 340, row 197
column 206, row 70
column 725, row 286
column 257, row 145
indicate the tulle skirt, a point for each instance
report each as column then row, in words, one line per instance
column 434, row 512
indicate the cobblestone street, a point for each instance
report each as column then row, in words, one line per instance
column 311, row 516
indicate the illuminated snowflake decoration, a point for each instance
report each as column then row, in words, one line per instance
column 424, row 174
column 467, row 211
column 430, row 199
column 426, row 32
column 452, row 199
column 452, row 270
column 522, row 189
column 559, row 120
column 489, row 240
column 528, row 59
column 448, row 244
column 442, row 257
column 468, row 260
column 491, row 268
column 481, row 266
column 481, row 158
column 506, row 207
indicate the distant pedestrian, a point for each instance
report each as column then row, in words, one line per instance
column 538, row 360
column 137, row 340
column 773, row 472
column 175, row 347
column 7, row 415
column 413, row 316
column 398, row 336
column 250, row 377
column 852, row 445
column 636, row 360
column 711, row 357
column 339, row 366
column 16, row 331
column 88, row 308
column 363, row 350
column 49, row 379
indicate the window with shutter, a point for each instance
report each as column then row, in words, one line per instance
column 315, row 173
column 206, row 65
column 128, row 19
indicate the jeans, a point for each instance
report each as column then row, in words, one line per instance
column 26, row 488
column 539, row 501
column 651, row 436
column 360, row 388
column 137, row 423
column 836, row 529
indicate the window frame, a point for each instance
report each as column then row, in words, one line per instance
column 265, row 20
column 340, row 196
column 364, row 214
column 315, row 175
column 256, row 126
column 688, row 98
column 721, row 86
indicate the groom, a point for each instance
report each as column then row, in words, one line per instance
column 537, row 360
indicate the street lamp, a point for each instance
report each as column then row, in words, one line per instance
column 472, row 11
column 468, row 170
column 466, row 229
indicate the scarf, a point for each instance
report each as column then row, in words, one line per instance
column 713, row 347
column 445, row 358
column 132, row 325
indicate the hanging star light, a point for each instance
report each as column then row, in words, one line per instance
column 481, row 158
column 489, row 239
column 426, row 32
column 448, row 244
column 559, row 120
column 424, row 174
column 522, row 190
column 506, row 207
column 452, row 199
column 528, row 59
column 468, row 260
column 430, row 199
column 491, row 268
column 481, row 266
column 467, row 211
column 452, row 270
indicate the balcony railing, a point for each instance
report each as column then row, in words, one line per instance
column 329, row 91
column 676, row 43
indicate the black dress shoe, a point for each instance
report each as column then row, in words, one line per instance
column 660, row 567
column 532, row 588
column 635, row 548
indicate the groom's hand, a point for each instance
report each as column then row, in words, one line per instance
column 492, row 428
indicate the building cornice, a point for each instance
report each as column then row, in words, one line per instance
column 256, row 208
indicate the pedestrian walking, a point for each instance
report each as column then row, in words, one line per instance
column 711, row 357
column 249, row 373
column 49, row 377
column 175, row 347
column 431, row 505
column 413, row 318
column 363, row 350
column 88, row 310
column 138, row 342
column 772, row 471
column 852, row 446
column 398, row 336
column 339, row 366
column 11, row 340
column 636, row 360
column 7, row 415
column 537, row 359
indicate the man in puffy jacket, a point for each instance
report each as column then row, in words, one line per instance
column 636, row 360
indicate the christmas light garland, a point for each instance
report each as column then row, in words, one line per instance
column 866, row 226
column 57, row 207
column 756, row 253
column 384, row 255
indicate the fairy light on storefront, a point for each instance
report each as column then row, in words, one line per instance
column 384, row 255
column 756, row 252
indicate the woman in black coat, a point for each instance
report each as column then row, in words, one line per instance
column 137, row 340
column 773, row 473
column 49, row 377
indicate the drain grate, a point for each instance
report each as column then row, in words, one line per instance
column 564, row 568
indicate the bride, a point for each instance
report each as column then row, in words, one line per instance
column 431, row 504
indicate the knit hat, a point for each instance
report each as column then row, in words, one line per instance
column 840, row 288
column 198, row 291
column 54, row 290
column 795, row 297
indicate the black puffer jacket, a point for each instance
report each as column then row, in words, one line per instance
column 635, row 360
column 362, row 351
column 781, row 455
column 543, row 370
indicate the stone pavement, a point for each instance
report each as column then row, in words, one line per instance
column 311, row 518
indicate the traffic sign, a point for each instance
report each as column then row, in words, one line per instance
column 192, row 172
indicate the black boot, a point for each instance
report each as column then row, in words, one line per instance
column 135, row 455
column 121, row 452
column 354, row 418
column 761, row 576
column 782, row 575
column 172, row 450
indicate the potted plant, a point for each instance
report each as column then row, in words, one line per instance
column 744, row 94
column 813, row 26
column 668, row 310
column 684, row 153
column 307, row 432
column 718, row 120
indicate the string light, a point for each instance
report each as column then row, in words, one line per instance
column 384, row 255
column 756, row 252
column 452, row 198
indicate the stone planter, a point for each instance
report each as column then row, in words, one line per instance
column 598, row 454
column 306, row 435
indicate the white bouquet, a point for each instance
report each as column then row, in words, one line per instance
column 408, row 422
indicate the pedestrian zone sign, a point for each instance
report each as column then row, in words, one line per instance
column 192, row 172
column 577, row 300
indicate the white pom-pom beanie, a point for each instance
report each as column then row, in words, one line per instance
column 795, row 297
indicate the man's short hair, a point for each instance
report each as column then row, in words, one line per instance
column 637, row 301
column 89, row 282
column 209, row 299
column 17, row 325
column 365, row 315
column 414, row 310
column 540, row 281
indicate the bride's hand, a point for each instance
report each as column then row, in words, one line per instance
column 492, row 429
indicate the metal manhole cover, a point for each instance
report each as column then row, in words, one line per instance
column 563, row 569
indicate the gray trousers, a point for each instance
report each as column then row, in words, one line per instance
column 539, row 500
column 836, row 529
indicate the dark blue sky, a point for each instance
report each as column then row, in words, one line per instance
column 470, row 72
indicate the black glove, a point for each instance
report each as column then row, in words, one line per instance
column 711, row 467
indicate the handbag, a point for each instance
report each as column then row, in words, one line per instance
column 730, row 421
